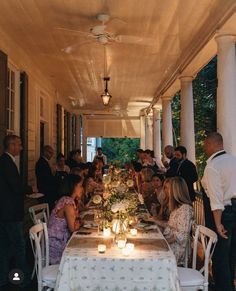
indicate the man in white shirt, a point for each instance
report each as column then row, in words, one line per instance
column 219, row 182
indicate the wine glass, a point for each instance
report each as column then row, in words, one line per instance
column 106, row 179
column 97, row 218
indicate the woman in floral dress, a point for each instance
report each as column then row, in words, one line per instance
column 63, row 219
column 177, row 229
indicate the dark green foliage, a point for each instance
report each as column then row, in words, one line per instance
column 204, row 92
column 120, row 149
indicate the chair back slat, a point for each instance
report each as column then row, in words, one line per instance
column 39, row 213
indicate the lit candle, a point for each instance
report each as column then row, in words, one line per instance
column 102, row 248
column 121, row 243
column 133, row 231
column 130, row 246
column 126, row 251
column 106, row 232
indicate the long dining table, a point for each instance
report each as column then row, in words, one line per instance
column 150, row 266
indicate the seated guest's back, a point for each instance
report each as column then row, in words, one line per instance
column 177, row 230
column 163, row 212
column 146, row 186
column 63, row 219
column 156, row 198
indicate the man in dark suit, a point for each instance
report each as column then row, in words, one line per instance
column 12, row 211
column 172, row 166
column 46, row 181
column 186, row 169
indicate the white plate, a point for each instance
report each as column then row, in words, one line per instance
column 90, row 225
column 35, row 195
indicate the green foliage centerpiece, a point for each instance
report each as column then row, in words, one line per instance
column 119, row 202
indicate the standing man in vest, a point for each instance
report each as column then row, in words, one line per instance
column 100, row 155
column 219, row 182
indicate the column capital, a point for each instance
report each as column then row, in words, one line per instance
column 225, row 38
column 184, row 78
column 156, row 108
column 166, row 98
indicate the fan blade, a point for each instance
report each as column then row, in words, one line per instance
column 116, row 25
column 73, row 31
column 130, row 39
column 72, row 48
column 64, row 57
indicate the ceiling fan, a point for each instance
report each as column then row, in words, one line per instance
column 102, row 34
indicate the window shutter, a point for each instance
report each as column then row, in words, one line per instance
column 3, row 96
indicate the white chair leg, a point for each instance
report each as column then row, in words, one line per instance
column 32, row 276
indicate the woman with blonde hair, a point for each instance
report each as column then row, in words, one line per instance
column 177, row 229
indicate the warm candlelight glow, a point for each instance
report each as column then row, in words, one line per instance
column 102, row 248
column 133, row 231
column 121, row 243
column 130, row 246
column 106, row 232
column 126, row 251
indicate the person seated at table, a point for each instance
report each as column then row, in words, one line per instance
column 74, row 159
column 160, row 210
column 156, row 197
column 177, row 229
column 99, row 165
column 146, row 186
column 63, row 219
column 90, row 184
column 137, row 167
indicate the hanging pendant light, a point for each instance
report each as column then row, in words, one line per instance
column 106, row 95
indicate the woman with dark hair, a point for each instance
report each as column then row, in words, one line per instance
column 74, row 159
column 63, row 219
column 61, row 165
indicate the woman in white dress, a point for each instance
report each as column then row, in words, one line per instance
column 177, row 229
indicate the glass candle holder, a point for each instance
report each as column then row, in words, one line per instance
column 130, row 246
column 133, row 231
column 102, row 248
column 126, row 252
column 121, row 243
column 106, row 232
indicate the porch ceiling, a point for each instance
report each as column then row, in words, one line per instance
column 166, row 35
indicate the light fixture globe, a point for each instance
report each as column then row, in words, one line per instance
column 106, row 98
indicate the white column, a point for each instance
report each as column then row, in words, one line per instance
column 84, row 138
column 142, row 132
column 78, row 132
column 167, row 131
column 156, row 132
column 187, row 135
column 226, row 91
column 148, row 132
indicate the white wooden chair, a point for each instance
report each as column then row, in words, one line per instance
column 46, row 274
column 39, row 213
column 190, row 278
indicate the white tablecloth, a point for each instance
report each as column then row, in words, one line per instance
column 83, row 268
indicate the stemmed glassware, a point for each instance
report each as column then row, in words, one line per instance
column 98, row 218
